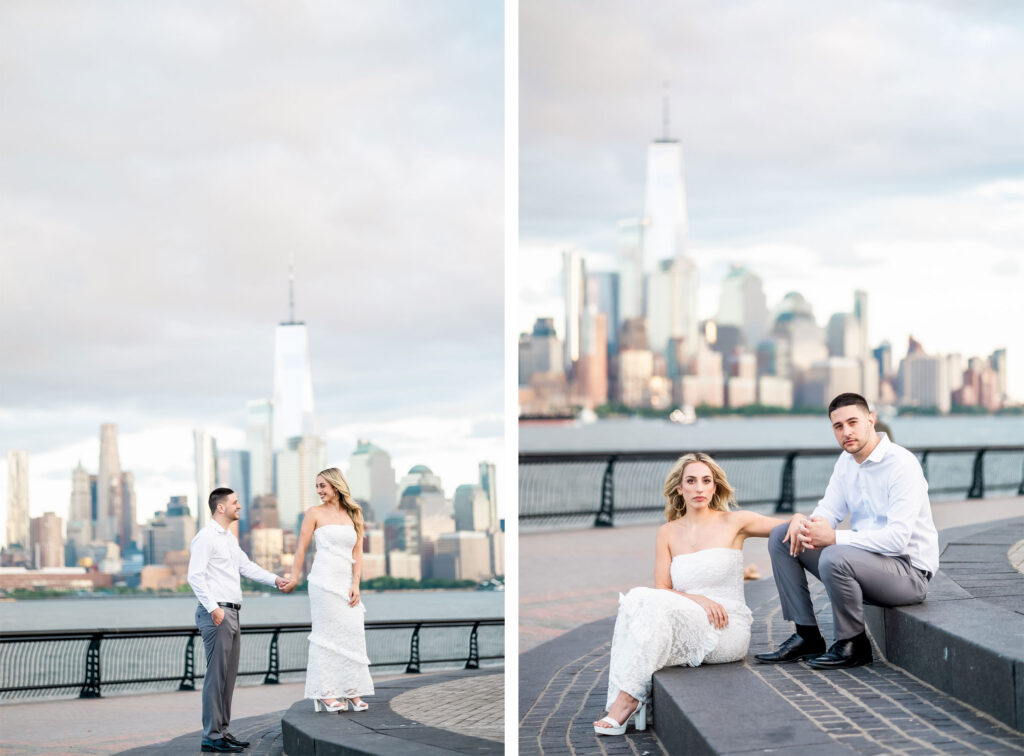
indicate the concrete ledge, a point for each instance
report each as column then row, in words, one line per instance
column 378, row 730
column 728, row 709
column 967, row 638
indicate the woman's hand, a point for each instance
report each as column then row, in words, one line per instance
column 353, row 595
column 717, row 616
column 793, row 535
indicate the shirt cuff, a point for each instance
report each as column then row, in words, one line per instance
column 211, row 607
column 843, row 537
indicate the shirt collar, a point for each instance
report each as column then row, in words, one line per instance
column 879, row 452
column 216, row 527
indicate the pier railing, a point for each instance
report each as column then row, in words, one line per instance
column 602, row 488
column 91, row 663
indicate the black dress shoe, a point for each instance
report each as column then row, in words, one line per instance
column 235, row 741
column 851, row 652
column 794, row 648
column 221, row 745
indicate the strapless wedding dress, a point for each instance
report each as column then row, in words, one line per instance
column 338, row 666
column 657, row 628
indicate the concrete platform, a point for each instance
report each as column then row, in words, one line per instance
column 967, row 638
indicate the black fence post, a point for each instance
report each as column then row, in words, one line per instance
column 473, row 662
column 91, row 687
column 1020, row 491
column 787, row 490
column 188, row 677
column 606, row 515
column 978, row 483
column 414, row 652
column 273, row 665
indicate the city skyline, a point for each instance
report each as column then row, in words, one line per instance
column 145, row 257
column 819, row 169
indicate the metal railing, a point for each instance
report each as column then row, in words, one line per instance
column 604, row 487
column 88, row 663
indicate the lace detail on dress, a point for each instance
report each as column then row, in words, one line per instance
column 656, row 628
column 338, row 666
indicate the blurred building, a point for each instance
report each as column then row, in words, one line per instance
column 773, row 391
column 267, row 547
column 293, row 389
column 472, row 509
column 109, row 500
column 497, row 543
column 603, row 294
column 297, row 466
column 742, row 304
column 18, row 520
column 402, row 564
column 170, row 530
column 264, row 512
column 234, row 471
column 46, row 541
column 259, row 444
column 672, row 303
column 574, row 279
column 463, row 555
column 592, row 367
column 631, row 269
column 540, row 352
column 827, row 379
column 80, row 509
column 925, row 382
column 128, row 533
column 205, row 451
column 371, row 478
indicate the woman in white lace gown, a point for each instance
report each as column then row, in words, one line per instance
column 338, row 671
column 695, row 613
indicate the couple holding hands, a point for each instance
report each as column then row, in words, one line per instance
column 696, row 612
column 338, row 672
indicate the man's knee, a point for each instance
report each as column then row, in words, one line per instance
column 776, row 536
column 834, row 560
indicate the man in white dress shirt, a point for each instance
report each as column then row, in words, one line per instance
column 887, row 557
column 214, row 565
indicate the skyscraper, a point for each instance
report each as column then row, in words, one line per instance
column 108, row 486
column 742, row 304
column 293, row 377
column 127, row 526
column 672, row 304
column 17, row 499
column 631, row 270
column 297, row 466
column 603, row 293
column 574, row 292
column 80, row 509
column 233, row 471
column 47, row 545
column 371, row 478
column 488, row 483
column 666, row 235
column 206, row 473
column 258, row 440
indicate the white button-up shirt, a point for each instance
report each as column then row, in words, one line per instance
column 214, row 564
column 886, row 497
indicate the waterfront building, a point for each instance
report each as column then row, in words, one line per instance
column 373, row 539
column 989, row 395
column 371, row 478
column 603, row 295
column 267, row 547
column 883, row 353
column 672, row 303
column 860, row 312
column 402, row 564
column 631, row 271
column 740, row 392
column 869, row 382
column 108, row 486
column 497, row 544
column 666, row 234
column 235, row 472
column 128, row 532
column 925, row 382
column 53, row 578
column 773, row 391
column 955, row 366
column 545, row 354
column 80, row 530
column 259, row 442
column 18, row 520
column 592, row 368
column 374, row 566
column 488, row 482
column 829, row 378
column 997, row 361
column 742, row 304
column 170, row 530
column 463, row 555
column 574, row 279
column 293, row 379
column 297, row 466
column 401, row 533
column 205, row 453
column 46, row 541
column 844, row 335
column 472, row 508
column 264, row 512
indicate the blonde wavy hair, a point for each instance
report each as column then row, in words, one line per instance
column 337, row 481
column 675, row 507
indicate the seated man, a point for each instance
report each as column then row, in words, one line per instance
column 887, row 558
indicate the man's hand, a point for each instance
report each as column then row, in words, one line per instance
column 281, row 583
column 286, row 585
column 816, row 533
column 217, row 615
column 793, row 535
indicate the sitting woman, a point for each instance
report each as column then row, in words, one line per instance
column 696, row 612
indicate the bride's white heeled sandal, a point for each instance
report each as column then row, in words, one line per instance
column 338, row 705
column 361, row 706
column 639, row 717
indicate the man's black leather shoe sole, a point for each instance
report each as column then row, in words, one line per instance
column 221, row 746
column 793, row 649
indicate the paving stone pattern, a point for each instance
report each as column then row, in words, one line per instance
column 474, row 706
column 875, row 709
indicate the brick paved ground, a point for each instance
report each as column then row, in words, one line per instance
column 474, row 706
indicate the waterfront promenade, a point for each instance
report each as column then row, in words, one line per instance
column 459, row 711
column 749, row 707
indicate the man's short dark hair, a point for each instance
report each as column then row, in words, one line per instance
column 217, row 496
column 848, row 400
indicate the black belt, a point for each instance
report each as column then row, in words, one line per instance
column 226, row 605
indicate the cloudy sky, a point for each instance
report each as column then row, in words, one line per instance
column 875, row 146
column 159, row 163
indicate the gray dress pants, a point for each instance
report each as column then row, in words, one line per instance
column 850, row 575
column 222, row 644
